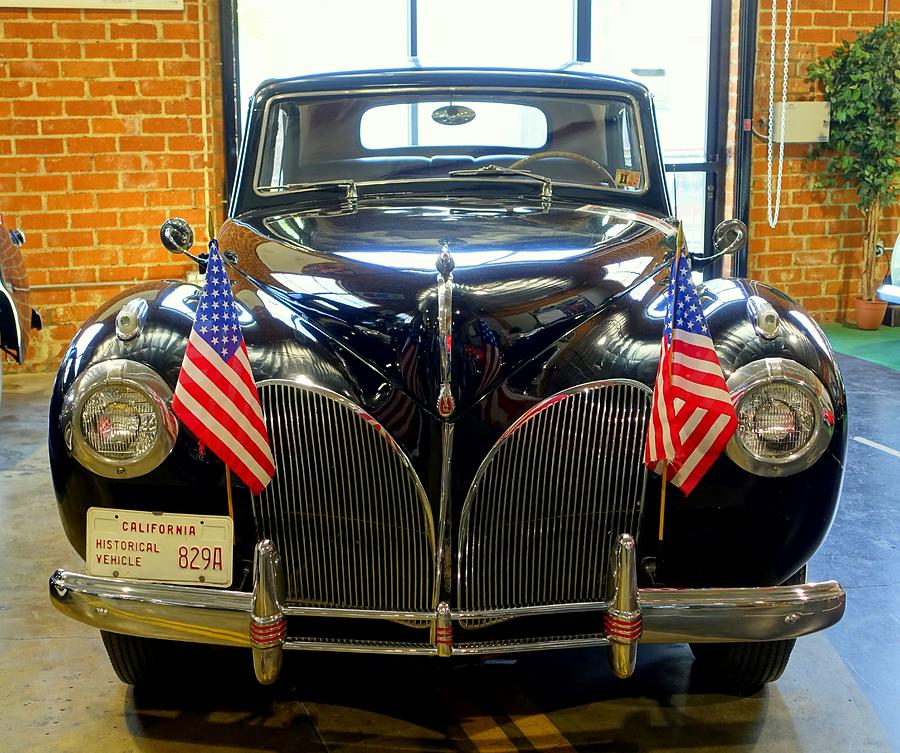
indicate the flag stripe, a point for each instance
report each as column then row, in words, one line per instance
column 225, row 392
column 705, row 353
column 664, row 408
column 697, row 364
column 222, row 434
column 699, row 377
column 702, row 390
column 246, row 376
column 222, row 451
column 694, row 339
column 702, row 457
column 660, row 444
column 189, row 394
column 690, row 424
column 249, row 432
column 243, row 389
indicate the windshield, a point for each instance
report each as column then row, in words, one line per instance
column 587, row 140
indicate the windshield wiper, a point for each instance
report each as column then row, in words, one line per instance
column 496, row 170
column 347, row 184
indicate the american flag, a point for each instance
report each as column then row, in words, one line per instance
column 396, row 412
column 692, row 416
column 216, row 397
column 487, row 357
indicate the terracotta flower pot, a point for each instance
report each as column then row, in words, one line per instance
column 869, row 314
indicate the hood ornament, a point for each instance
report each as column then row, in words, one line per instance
column 444, row 265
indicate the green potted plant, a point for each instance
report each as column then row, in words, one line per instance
column 862, row 81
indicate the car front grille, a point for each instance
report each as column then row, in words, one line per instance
column 345, row 509
column 540, row 518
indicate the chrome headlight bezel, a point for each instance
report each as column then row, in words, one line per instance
column 135, row 376
column 771, row 371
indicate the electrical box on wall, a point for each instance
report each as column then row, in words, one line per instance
column 807, row 122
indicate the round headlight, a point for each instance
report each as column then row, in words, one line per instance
column 116, row 420
column 785, row 417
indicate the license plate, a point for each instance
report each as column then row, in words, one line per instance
column 162, row 547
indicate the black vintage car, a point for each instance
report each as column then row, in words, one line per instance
column 17, row 318
column 452, row 288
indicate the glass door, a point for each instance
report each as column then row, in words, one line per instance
column 677, row 49
column 666, row 46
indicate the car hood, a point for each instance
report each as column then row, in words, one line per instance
column 524, row 276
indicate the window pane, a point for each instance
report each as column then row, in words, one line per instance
column 499, row 33
column 394, row 136
column 491, row 124
column 280, row 38
column 688, row 194
column 670, row 55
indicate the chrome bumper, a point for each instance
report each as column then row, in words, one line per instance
column 628, row 617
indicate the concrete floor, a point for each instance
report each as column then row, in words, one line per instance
column 840, row 692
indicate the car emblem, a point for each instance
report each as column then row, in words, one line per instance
column 444, row 265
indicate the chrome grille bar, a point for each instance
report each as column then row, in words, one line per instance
column 345, row 508
column 538, row 523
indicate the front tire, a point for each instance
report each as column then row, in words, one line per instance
column 744, row 668
column 140, row 661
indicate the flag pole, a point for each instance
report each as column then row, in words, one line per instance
column 228, row 490
column 679, row 241
column 211, row 232
column 210, row 224
column 662, row 502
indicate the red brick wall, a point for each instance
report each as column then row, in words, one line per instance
column 103, row 136
column 814, row 252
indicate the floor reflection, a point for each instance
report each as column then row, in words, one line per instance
column 560, row 701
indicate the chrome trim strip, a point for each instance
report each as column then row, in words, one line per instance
column 538, row 609
column 295, row 610
column 444, row 551
column 544, row 644
column 402, row 616
column 360, row 647
column 452, row 91
column 666, row 228
column 446, row 404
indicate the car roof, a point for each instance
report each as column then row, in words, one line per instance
column 450, row 77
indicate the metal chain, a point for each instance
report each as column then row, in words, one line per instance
column 771, row 215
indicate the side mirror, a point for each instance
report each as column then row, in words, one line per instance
column 176, row 235
column 728, row 237
column 17, row 237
